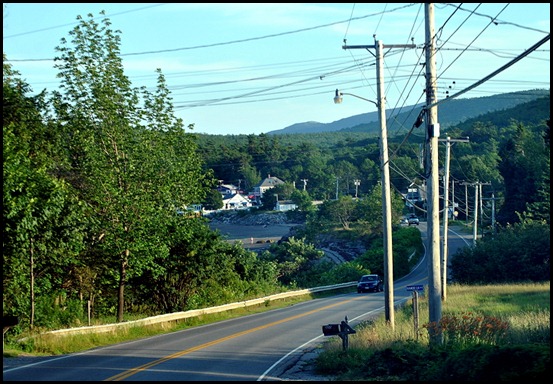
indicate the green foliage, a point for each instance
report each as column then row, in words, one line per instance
column 407, row 249
column 213, row 200
column 44, row 223
column 294, row 259
column 202, row 270
column 524, row 166
column 302, row 200
column 517, row 253
column 343, row 272
column 131, row 165
column 485, row 362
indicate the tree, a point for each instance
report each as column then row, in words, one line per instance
column 523, row 161
column 43, row 223
column 294, row 259
column 540, row 209
column 213, row 200
column 302, row 200
column 130, row 164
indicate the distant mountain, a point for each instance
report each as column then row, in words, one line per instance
column 450, row 113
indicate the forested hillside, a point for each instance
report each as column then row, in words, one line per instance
column 332, row 161
column 451, row 112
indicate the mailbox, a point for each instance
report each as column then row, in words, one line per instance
column 331, row 329
column 10, row 321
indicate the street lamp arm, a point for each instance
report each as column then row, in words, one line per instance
column 338, row 97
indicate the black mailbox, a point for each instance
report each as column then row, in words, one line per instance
column 331, row 329
column 9, row 321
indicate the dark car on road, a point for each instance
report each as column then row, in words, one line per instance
column 370, row 283
column 413, row 220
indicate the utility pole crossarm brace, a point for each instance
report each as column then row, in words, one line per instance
column 383, row 46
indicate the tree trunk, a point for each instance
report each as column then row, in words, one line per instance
column 121, row 293
column 32, row 278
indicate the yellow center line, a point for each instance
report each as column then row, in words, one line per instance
column 133, row 371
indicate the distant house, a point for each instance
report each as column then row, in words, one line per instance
column 285, row 205
column 227, row 189
column 267, row 183
column 236, row 201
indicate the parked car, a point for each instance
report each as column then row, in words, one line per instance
column 413, row 220
column 370, row 283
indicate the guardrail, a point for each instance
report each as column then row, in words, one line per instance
column 195, row 312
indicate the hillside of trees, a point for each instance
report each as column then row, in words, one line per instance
column 331, row 162
column 92, row 184
column 452, row 112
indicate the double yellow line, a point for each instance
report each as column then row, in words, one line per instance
column 131, row 372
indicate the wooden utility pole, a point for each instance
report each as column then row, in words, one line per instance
column 385, row 170
column 433, row 132
column 448, row 141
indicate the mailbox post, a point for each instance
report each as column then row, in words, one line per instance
column 7, row 323
column 415, row 289
column 343, row 330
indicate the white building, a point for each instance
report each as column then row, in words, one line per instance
column 236, row 201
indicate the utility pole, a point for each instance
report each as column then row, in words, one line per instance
column 448, row 141
column 453, row 198
column 474, row 227
column 466, row 201
column 304, row 183
column 433, row 132
column 385, row 169
column 357, row 182
column 492, row 199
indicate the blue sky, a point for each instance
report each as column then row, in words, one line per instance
column 255, row 68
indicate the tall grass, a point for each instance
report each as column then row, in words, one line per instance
column 473, row 317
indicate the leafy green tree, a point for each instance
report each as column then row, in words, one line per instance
column 346, row 173
column 43, row 226
column 213, row 200
column 523, row 161
column 302, row 199
column 251, row 176
column 202, row 270
column 129, row 163
column 540, row 209
column 517, row 253
column 294, row 259
column 342, row 211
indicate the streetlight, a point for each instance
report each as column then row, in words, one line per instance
column 338, row 98
column 386, row 201
column 356, row 182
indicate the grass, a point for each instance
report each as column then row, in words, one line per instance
column 489, row 332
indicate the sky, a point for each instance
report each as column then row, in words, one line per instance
column 236, row 68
